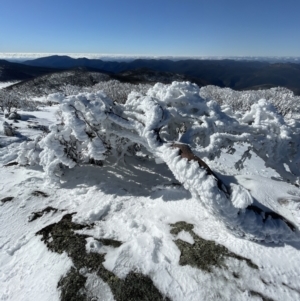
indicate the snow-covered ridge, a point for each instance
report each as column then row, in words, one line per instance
column 6, row 84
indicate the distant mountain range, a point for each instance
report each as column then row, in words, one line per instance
column 18, row 57
column 15, row 71
column 238, row 75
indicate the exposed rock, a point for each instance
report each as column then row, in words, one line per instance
column 36, row 215
column 203, row 254
column 39, row 193
column 14, row 116
column 8, row 130
column 60, row 237
column 7, row 199
column 72, row 286
column 11, row 164
column 40, row 127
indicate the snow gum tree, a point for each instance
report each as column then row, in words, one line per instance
column 9, row 101
column 174, row 125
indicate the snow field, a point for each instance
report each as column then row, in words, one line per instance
column 121, row 211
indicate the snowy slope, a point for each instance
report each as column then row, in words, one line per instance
column 138, row 204
column 6, row 84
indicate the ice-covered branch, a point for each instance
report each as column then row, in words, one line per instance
column 244, row 220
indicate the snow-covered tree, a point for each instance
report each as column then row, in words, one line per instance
column 174, row 125
column 9, row 101
column 119, row 91
column 284, row 100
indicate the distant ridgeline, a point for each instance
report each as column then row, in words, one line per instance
column 236, row 74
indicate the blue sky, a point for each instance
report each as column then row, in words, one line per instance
column 165, row 27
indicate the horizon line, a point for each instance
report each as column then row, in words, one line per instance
column 21, row 56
